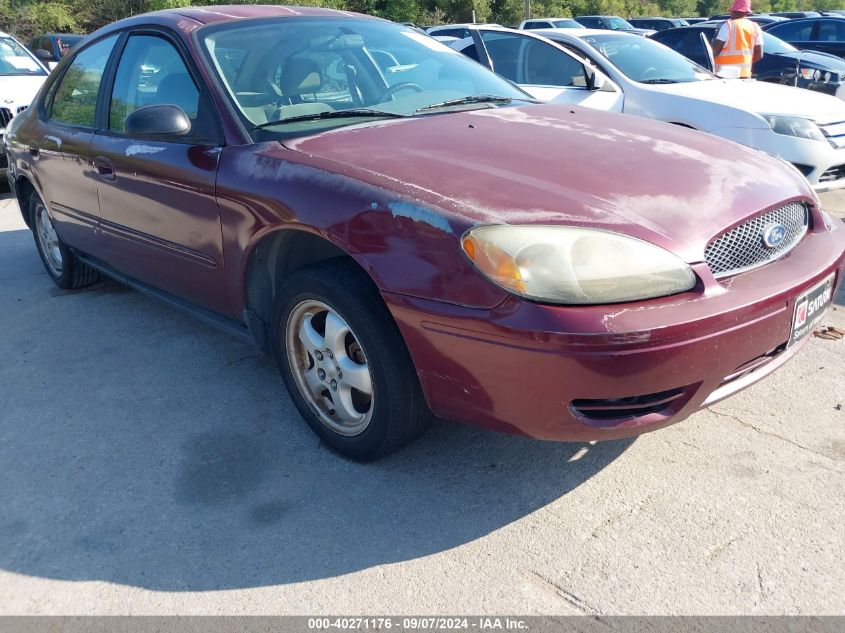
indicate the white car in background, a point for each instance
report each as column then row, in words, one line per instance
column 21, row 76
column 804, row 128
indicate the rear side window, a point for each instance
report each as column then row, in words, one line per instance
column 529, row 61
column 75, row 98
column 831, row 31
column 151, row 72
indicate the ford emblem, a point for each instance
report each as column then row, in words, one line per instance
column 773, row 235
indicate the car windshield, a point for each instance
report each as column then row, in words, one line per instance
column 646, row 61
column 618, row 24
column 294, row 76
column 15, row 60
column 775, row 45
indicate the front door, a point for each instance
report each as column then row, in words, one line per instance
column 545, row 71
column 158, row 212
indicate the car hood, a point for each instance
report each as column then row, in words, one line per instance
column 563, row 165
column 816, row 58
column 761, row 97
column 17, row 91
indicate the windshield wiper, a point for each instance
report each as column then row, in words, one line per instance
column 333, row 114
column 659, row 81
column 470, row 100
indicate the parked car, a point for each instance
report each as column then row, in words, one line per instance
column 51, row 47
column 782, row 63
column 792, row 15
column 760, row 18
column 366, row 227
column 803, row 127
column 610, row 23
column 21, row 75
column 657, row 24
column 826, row 35
column 548, row 73
column 459, row 31
column 550, row 23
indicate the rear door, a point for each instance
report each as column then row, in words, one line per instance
column 829, row 37
column 545, row 71
column 61, row 151
column 158, row 212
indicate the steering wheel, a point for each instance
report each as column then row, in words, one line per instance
column 404, row 85
column 651, row 70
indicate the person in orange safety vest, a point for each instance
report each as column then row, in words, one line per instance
column 739, row 41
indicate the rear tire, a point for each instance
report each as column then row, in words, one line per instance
column 345, row 363
column 63, row 267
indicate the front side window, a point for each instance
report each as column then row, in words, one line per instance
column 151, row 72
column 793, row 31
column 282, row 71
column 75, row 98
column 16, row 60
column 528, row 61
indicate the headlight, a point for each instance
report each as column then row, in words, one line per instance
column 571, row 265
column 794, row 126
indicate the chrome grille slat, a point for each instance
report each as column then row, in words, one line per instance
column 742, row 247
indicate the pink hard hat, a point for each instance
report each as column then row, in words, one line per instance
column 741, row 6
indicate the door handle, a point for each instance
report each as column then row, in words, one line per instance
column 105, row 168
column 33, row 150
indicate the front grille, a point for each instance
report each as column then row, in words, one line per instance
column 21, row 109
column 5, row 116
column 742, row 248
column 834, row 173
column 834, row 132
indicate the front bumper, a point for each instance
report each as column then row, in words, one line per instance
column 822, row 164
column 604, row 372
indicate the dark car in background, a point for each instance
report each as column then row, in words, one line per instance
column 760, row 18
column 781, row 62
column 51, row 47
column 793, row 15
column 610, row 23
column 822, row 34
column 694, row 20
column 657, row 24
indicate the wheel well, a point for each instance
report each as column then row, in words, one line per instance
column 274, row 258
column 23, row 191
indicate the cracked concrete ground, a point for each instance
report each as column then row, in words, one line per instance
column 151, row 465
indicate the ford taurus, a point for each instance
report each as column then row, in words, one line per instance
column 409, row 235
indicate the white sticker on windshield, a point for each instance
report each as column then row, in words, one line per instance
column 428, row 42
column 22, row 62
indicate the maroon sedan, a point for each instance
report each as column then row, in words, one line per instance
column 409, row 235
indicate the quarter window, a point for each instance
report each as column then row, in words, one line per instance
column 75, row 99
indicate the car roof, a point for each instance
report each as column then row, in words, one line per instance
column 585, row 32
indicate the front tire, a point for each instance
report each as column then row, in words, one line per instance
column 63, row 267
column 344, row 362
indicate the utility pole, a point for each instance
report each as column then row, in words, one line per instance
column 527, row 9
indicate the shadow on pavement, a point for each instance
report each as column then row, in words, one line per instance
column 139, row 447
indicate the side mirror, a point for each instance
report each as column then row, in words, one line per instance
column 596, row 80
column 43, row 55
column 155, row 121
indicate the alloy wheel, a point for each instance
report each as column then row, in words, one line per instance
column 48, row 240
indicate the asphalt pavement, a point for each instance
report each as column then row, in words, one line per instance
column 152, row 465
